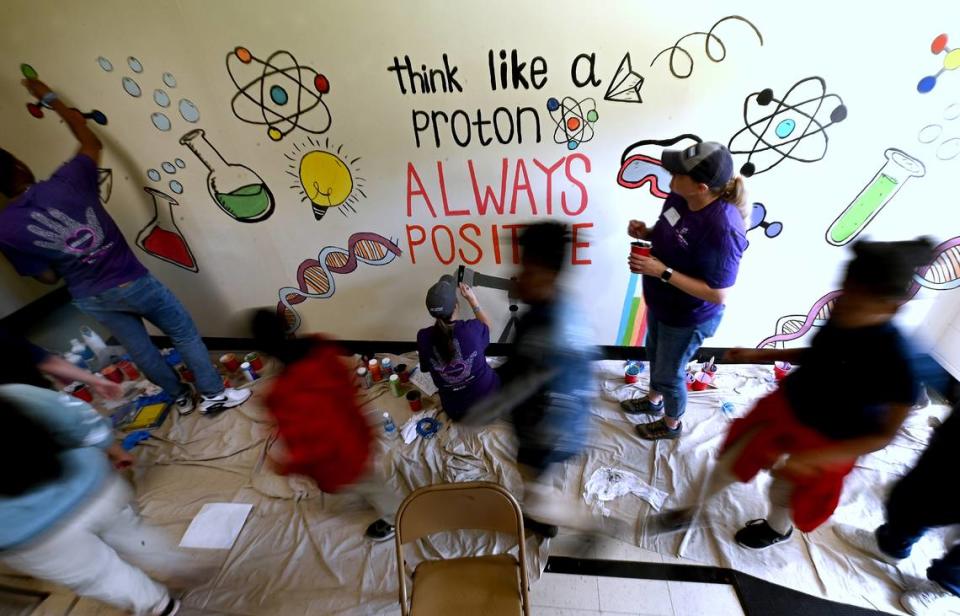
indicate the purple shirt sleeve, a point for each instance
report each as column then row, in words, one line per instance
column 480, row 330
column 725, row 249
column 80, row 172
column 423, row 349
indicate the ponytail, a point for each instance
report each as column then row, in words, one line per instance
column 444, row 345
column 735, row 193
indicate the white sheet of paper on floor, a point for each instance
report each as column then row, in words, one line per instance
column 217, row 526
column 424, row 381
column 606, row 484
column 409, row 429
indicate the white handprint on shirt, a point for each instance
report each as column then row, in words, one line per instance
column 66, row 235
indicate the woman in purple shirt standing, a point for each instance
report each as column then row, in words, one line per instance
column 697, row 243
column 453, row 351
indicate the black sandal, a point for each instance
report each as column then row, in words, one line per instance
column 658, row 430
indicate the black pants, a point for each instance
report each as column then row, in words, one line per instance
column 926, row 498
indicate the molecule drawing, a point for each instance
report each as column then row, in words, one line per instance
column 793, row 130
column 951, row 61
column 283, row 96
column 758, row 218
column 574, row 120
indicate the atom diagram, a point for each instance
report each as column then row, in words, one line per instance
column 951, row 61
column 709, row 37
column 284, row 96
column 792, row 130
column 574, row 120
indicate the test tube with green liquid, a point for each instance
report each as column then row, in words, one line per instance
column 899, row 168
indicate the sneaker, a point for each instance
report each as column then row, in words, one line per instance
column 757, row 535
column 227, row 399
column 171, row 607
column 380, row 530
column 658, row 430
column 185, row 402
column 863, row 540
column 547, row 531
column 635, row 406
column 929, row 599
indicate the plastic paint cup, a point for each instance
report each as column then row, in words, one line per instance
column 254, row 360
column 374, row 367
column 401, row 371
column 701, row 381
column 129, row 370
column 781, row 369
column 641, row 248
column 230, row 362
column 113, row 373
column 413, row 399
column 81, row 391
column 631, row 374
column 395, row 385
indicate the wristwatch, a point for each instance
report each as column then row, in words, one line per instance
column 667, row 273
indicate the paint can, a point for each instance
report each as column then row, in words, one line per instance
column 701, row 381
column 364, row 378
column 413, row 399
column 254, row 360
column 128, row 369
column 401, row 371
column 113, row 373
column 248, row 372
column 395, row 385
column 230, row 362
column 374, row 367
column 631, row 374
column 781, row 369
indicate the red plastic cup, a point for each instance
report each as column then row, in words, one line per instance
column 230, row 362
column 631, row 374
column 640, row 247
column 187, row 374
column 413, row 399
column 690, row 378
column 113, row 373
column 81, row 391
column 701, row 381
column 781, row 369
column 129, row 370
column 254, row 360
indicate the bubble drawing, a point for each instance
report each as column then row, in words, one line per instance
column 161, row 98
column 574, row 120
column 278, row 93
column 105, row 64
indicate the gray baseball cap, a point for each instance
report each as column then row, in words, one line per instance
column 709, row 163
column 442, row 297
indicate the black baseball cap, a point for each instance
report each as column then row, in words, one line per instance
column 709, row 163
column 442, row 297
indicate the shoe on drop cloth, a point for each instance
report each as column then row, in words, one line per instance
column 930, row 599
column 227, row 399
column 863, row 540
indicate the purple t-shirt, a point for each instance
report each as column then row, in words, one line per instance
column 59, row 224
column 466, row 377
column 706, row 244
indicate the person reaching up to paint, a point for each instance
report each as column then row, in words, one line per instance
column 57, row 229
column 697, row 243
column 453, row 351
column 830, row 410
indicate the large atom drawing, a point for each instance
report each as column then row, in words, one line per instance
column 282, row 97
column 574, row 120
column 794, row 129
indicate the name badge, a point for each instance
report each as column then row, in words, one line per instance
column 671, row 216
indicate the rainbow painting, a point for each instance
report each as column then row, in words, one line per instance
column 633, row 319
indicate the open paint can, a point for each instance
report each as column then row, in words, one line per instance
column 701, row 381
column 413, row 399
column 631, row 374
column 781, row 369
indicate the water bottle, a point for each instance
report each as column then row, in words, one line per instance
column 389, row 428
column 93, row 340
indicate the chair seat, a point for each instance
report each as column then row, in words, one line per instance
column 481, row 585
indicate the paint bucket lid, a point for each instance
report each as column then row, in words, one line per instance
column 394, row 377
column 361, row 371
column 632, row 370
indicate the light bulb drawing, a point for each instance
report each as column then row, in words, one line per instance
column 326, row 177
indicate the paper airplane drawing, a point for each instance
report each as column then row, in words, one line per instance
column 626, row 83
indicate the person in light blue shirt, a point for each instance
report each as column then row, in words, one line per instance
column 64, row 514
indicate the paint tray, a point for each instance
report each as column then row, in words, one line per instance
column 143, row 413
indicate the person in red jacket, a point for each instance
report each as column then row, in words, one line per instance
column 322, row 432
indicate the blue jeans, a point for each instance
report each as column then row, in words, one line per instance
column 669, row 349
column 122, row 310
